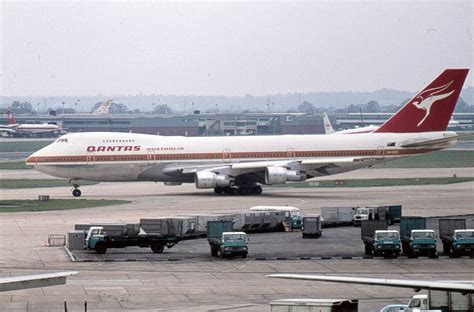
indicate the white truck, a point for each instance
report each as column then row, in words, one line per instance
column 441, row 301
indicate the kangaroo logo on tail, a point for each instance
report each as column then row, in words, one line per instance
column 430, row 96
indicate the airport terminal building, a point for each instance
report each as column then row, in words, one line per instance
column 218, row 124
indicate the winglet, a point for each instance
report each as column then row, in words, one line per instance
column 430, row 109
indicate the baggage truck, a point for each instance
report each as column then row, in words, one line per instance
column 222, row 240
column 416, row 239
column 391, row 214
column 311, row 226
column 441, row 301
column 337, row 216
column 457, row 240
column 97, row 239
column 379, row 241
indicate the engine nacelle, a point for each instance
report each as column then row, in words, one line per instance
column 293, row 175
column 275, row 175
column 207, row 179
column 279, row 175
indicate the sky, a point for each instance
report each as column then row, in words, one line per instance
column 52, row 48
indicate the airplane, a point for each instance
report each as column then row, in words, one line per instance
column 239, row 165
column 34, row 280
column 15, row 129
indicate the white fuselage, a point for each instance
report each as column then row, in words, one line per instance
column 104, row 156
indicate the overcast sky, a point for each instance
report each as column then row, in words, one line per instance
column 87, row 48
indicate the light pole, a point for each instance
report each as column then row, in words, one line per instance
column 63, row 106
column 38, row 108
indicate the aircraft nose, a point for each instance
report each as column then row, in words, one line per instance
column 32, row 159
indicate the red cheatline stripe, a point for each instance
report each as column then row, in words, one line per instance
column 218, row 156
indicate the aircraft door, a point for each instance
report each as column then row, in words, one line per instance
column 150, row 157
column 226, row 156
column 90, row 158
column 291, row 153
column 380, row 151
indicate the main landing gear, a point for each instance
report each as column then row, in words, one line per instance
column 76, row 192
column 239, row 190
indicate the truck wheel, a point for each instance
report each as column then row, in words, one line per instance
column 157, row 248
column 396, row 255
column 214, row 251
column 100, row 248
column 244, row 256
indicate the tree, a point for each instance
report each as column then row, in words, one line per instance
column 162, row 109
column 373, row 107
column 307, row 108
column 18, row 107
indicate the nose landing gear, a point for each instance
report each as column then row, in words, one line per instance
column 76, row 192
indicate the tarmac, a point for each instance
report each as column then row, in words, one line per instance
column 186, row 277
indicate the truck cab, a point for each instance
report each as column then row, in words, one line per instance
column 386, row 243
column 463, row 242
column 419, row 303
column 364, row 214
column 95, row 238
column 423, row 242
column 234, row 243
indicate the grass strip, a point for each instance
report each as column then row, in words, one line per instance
column 13, row 165
column 35, row 183
column 439, row 159
column 23, row 146
column 55, row 204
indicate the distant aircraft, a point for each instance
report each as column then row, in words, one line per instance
column 328, row 129
column 238, row 165
column 34, row 280
column 30, row 130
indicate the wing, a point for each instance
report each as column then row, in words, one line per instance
column 457, row 286
column 433, row 143
column 318, row 165
column 35, row 280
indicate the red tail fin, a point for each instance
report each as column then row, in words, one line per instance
column 11, row 119
column 431, row 109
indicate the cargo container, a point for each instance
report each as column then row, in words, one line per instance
column 416, row 239
column 390, row 213
column 311, row 226
column 337, row 216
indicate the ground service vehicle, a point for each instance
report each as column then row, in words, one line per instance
column 312, row 226
column 99, row 241
column 456, row 240
column 391, row 214
column 293, row 215
column 378, row 240
column 416, row 240
column 441, row 301
column 225, row 242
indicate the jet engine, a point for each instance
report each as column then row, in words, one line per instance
column 207, row 179
column 279, row 175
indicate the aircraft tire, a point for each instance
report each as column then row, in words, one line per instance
column 218, row 190
column 76, row 193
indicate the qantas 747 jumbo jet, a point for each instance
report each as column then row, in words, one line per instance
column 239, row 165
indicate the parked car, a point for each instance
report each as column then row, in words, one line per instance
column 394, row 308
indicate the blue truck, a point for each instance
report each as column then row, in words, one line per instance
column 378, row 240
column 457, row 240
column 222, row 240
column 416, row 239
